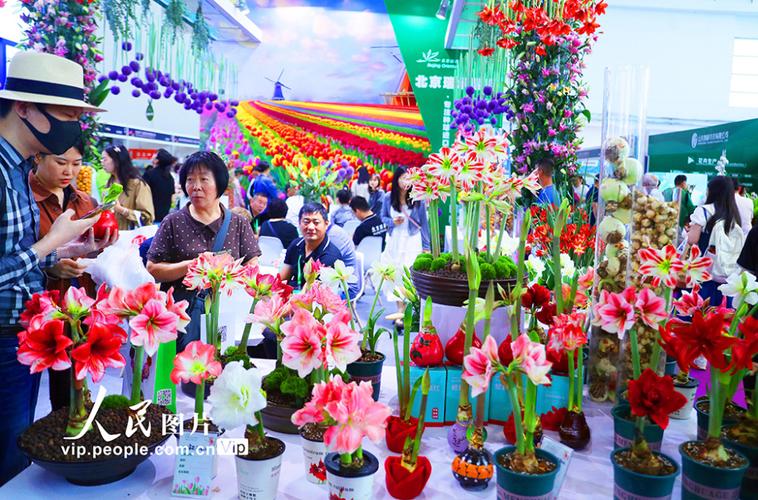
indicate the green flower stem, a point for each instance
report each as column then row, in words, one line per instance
column 571, row 380
column 516, row 321
column 463, row 399
column 579, row 388
column 367, row 334
column 346, row 459
column 248, row 327
column 199, row 397
column 716, row 416
column 513, row 394
column 656, row 356
column 454, row 219
column 349, row 305
column 487, row 229
column 398, row 375
column 259, row 426
column 406, row 353
column 635, row 353
column 530, row 417
column 137, row 375
column 557, row 280
column 77, row 413
column 500, row 233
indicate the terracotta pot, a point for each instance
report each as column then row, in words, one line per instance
column 404, row 484
column 574, row 431
column 450, row 291
column 397, row 431
column 259, row 478
column 278, row 418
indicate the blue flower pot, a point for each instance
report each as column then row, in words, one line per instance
column 624, row 431
column 703, row 418
column 703, row 481
column 368, row 371
column 532, row 486
column 749, row 490
column 630, row 485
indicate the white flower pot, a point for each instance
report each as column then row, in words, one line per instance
column 688, row 390
column 259, row 479
column 313, row 458
column 351, row 484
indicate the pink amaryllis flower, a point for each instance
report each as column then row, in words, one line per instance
column 215, row 272
column 178, row 308
column 323, row 394
column 567, row 332
column 479, row 366
column 469, row 171
column 195, row 364
column 319, row 297
column 442, row 164
column 651, row 309
column 100, row 351
column 76, row 303
column 45, row 304
column 696, row 268
column 532, row 359
column 614, row 312
column 662, row 265
column 689, row 302
column 341, row 345
column 45, row 347
column 483, row 144
column 271, row 310
column 153, row 326
column 301, row 346
column 126, row 304
column 356, row 416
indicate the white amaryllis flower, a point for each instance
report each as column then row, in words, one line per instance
column 384, row 269
column 334, row 276
column 536, row 265
column 236, row 396
column 509, row 245
column 743, row 287
column 567, row 266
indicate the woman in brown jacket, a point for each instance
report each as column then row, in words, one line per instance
column 134, row 207
column 51, row 185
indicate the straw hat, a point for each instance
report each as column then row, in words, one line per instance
column 45, row 79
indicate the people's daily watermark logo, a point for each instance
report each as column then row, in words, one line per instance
column 171, row 424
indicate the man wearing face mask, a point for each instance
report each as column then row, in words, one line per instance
column 39, row 113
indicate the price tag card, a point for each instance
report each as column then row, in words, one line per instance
column 564, row 454
column 193, row 472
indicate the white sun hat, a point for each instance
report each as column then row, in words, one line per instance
column 46, row 79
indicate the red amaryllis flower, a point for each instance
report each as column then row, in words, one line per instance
column 747, row 347
column 506, row 43
column 703, row 336
column 99, row 352
column 535, row 296
column 547, row 313
column 44, row 348
column 40, row 303
column 486, row 51
column 654, row 397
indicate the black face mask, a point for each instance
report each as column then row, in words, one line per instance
column 61, row 136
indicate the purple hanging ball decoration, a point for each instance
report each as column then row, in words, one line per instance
column 229, row 114
column 136, row 93
column 163, row 82
column 122, row 78
column 213, row 97
column 102, row 78
column 115, row 90
column 155, row 94
column 219, row 107
column 493, row 121
column 193, row 96
column 127, row 46
column 234, row 102
column 175, row 85
column 139, row 56
column 126, row 70
column 487, row 90
column 113, row 75
column 187, row 106
column 150, row 76
column 167, row 93
column 470, row 91
column 134, row 65
column 136, row 82
column 209, row 105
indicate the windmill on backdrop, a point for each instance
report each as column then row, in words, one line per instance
column 278, row 94
column 403, row 94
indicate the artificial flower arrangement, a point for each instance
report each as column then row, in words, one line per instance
column 407, row 475
column 349, row 413
column 84, row 334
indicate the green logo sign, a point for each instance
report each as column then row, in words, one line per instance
column 150, row 112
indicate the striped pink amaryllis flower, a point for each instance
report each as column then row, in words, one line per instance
column 689, row 302
column 614, row 312
column 442, row 164
column 470, row 171
column 662, row 265
column 696, row 268
column 216, row 272
column 484, row 145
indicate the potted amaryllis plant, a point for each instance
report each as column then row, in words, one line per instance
column 369, row 366
column 238, row 398
column 521, row 470
column 84, row 334
column 349, row 414
column 407, row 475
column 468, row 174
column 197, row 364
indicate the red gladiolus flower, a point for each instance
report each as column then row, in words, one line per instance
column 45, row 348
column 704, row 336
column 486, row 51
column 506, row 43
column 99, row 352
column 747, row 347
column 540, row 51
column 654, row 397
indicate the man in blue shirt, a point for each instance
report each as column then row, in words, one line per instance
column 39, row 113
column 548, row 194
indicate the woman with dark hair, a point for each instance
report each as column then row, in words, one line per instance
column 360, row 186
column 716, row 229
column 203, row 225
column 277, row 225
column 375, row 193
column 51, row 184
column 161, row 182
column 134, row 207
column 407, row 226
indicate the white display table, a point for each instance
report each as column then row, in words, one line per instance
column 590, row 474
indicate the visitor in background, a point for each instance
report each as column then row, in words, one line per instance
column 593, row 196
column 161, row 182
column 580, row 189
column 134, row 208
column 185, row 234
column 716, row 230
column 295, row 202
column 277, row 226
column 407, row 228
column 343, row 213
column 258, row 205
column 650, row 186
column 313, row 245
column 548, row 195
column 344, row 244
column 375, row 193
column 744, row 205
column 360, row 186
column 51, row 185
column 371, row 224
column 34, row 118
column 263, row 182
column 681, row 194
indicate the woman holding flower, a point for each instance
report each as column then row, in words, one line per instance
column 201, row 226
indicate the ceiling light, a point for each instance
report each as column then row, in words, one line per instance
column 442, row 11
